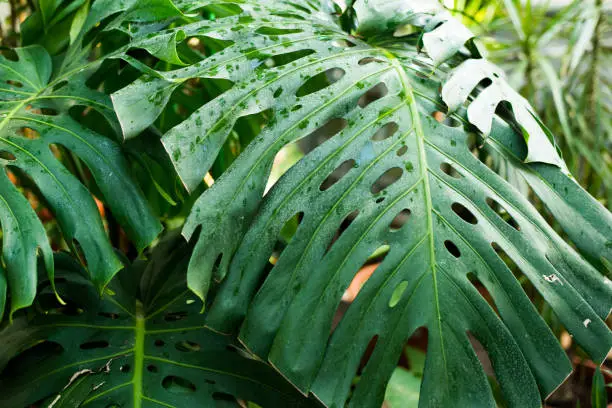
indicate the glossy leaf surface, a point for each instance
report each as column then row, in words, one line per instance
column 141, row 345
column 393, row 152
column 37, row 126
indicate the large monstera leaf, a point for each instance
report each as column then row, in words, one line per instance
column 37, row 106
column 387, row 174
column 141, row 345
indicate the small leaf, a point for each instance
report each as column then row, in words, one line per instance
column 402, row 390
column 78, row 21
column 599, row 395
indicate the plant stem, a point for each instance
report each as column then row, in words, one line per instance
column 138, row 355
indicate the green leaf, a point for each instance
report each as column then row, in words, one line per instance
column 402, row 390
column 599, row 395
column 583, row 34
column 78, row 21
column 380, row 16
column 23, row 236
column 3, row 285
column 36, row 113
column 51, row 24
column 141, row 345
column 399, row 178
column 515, row 17
column 462, row 81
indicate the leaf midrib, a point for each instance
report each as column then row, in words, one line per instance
column 414, row 111
column 139, row 355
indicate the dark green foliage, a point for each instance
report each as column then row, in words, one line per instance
column 405, row 130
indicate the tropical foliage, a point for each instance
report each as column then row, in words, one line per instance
column 408, row 147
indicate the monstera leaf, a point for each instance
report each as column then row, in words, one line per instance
column 393, row 171
column 39, row 104
column 141, row 345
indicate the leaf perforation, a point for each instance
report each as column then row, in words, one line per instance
column 254, row 226
column 372, row 225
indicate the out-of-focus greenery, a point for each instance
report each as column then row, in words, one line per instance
column 559, row 58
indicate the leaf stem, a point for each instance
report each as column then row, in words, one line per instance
column 138, row 354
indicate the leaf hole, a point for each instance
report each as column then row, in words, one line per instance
column 178, row 385
column 369, row 60
column 152, row 368
column 189, row 97
column 46, row 111
column 373, row 94
column 96, row 344
column 423, row 70
column 450, row 170
column 59, row 85
column 343, row 43
column 337, row 174
column 274, row 31
column 400, row 220
column 112, row 316
column 364, row 273
column 16, row 84
column 278, row 60
column 379, row 200
column 484, row 83
column 402, row 150
column 291, row 153
column 386, row 179
column 483, row 356
column 503, row 213
column 28, row 133
column 446, row 120
column 125, row 368
column 159, row 343
column 4, row 155
column 452, row 248
column 176, row 316
column 367, row 354
column 344, row 225
column 187, row 346
column 463, row 213
column 320, row 81
column 385, row 132
column 418, row 341
column 482, row 290
column 286, row 234
column 322, row 134
column 222, row 396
